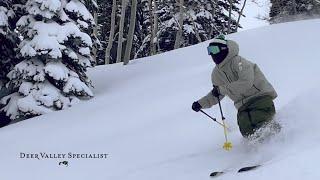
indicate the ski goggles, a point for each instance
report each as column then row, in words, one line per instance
column 213, row 50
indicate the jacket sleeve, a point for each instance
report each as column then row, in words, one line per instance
column 209, row 100
column 245, row 71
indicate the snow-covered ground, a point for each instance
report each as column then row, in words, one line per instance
column 141, row 116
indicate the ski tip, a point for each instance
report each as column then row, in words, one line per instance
column 217, row 173
column 248, row 168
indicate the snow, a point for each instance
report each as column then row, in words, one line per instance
column 77, row 7
column 188, row 29
column 204, row 13
column 3, row 16
column 39, row 98
column 83, row 24
column 33, row 68
column 30, row 104
column 45, row 8
column 52, row 5
column 50, row 37
column 12, row 108
column 84, row 61
column 57, row 70
column 72, row 55
column 141, row 116
column 25, row 88
column 77, row 87
column 84, row 51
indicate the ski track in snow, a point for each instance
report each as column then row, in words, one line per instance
column 141, row 116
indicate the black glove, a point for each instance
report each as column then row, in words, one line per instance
column 215, row 92
column 196, row 106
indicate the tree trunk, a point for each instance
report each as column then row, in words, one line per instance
column 120, row 38
column 240, row 14
column 112, row 29
column 131, row 32
column 154, row 29
column 95, row 34
column 177, row 42
column 230, row 16
column 151, row 26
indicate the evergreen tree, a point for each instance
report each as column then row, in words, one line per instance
column 8, row 40
column 56, row 49
column 143, row 28
column 104, row 23
column 289, row 10
column 202, row 20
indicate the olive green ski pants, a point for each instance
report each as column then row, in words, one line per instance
column 254, row 114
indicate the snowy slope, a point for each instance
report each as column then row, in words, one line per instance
column 141, row 116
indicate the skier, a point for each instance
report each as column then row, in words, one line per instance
column 243, row 82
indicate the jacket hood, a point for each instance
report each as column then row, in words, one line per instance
column 233, row 51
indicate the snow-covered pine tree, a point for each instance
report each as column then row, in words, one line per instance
column 143, row 28
column 8, row 40
column 289, row 10
column 57, row 52
column 202, row 20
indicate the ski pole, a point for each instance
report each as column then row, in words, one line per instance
column 227, row 145
column 214, row 119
